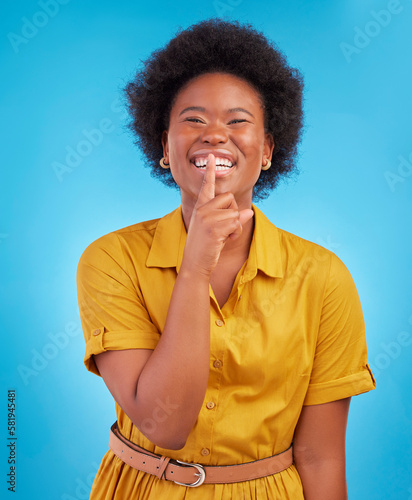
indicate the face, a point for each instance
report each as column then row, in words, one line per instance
column 221, row 114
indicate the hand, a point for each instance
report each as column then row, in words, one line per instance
column 214, row 220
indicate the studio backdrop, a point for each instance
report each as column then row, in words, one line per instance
column 71, row 173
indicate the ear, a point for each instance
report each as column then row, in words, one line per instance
column 165, row 145
column 268, row 147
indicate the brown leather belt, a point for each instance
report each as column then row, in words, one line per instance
column 190, row 474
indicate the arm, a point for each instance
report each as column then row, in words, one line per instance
column 162, row 391
column 167, row 384
column 319, row 450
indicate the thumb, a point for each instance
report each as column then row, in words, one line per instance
column 245, row 215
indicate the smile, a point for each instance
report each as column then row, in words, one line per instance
column 221, row 163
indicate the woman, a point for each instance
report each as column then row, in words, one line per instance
column 222, row 338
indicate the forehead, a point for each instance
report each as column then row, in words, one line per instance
column 218, row 89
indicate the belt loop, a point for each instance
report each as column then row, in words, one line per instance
column 163, row 463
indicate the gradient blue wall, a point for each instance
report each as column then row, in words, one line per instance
column 63, row 65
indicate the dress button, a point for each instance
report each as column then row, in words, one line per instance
column 97, row 331
column 218, row 364
column 210, row 405
column 219, row 322
column 205, row 452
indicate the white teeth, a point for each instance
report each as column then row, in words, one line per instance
column 200, row 162
column 222, row 162
column 218, row 167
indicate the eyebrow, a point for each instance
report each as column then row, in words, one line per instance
column 236, row 110
column 199, row 108
column 193, row 108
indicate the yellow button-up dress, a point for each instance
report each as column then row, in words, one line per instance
column 291, row 334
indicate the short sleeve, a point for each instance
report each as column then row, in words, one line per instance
column 340, row 368
column 112, row 309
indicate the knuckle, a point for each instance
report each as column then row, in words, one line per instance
column 201, row 212
column 235, row 224
column 213, row 232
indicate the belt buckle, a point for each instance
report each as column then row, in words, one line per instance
column 201, row 474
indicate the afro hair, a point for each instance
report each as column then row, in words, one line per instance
column 221, row 46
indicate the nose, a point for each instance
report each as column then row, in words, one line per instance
column 214, row 133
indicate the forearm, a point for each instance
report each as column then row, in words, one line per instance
column 323, row 480
column 178, row 369
column 319, row 450
column 177, row 372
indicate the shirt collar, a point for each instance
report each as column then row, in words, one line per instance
column 265, row 250
column 168, row 241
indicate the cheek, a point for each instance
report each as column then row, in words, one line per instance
column 178, row 145
column 253, row 153
column 251, row 143
column 178, row 150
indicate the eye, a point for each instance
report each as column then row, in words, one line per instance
column 193, row 120
column 237, row 120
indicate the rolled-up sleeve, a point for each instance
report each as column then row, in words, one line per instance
column 340, row 368
column 112, row 309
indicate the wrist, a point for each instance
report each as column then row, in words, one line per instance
column 194, row 274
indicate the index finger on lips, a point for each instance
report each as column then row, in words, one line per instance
column 207, row 191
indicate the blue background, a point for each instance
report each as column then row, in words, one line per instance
column 63, row 78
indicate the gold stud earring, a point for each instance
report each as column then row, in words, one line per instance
column 163, row 164
column 267, row 165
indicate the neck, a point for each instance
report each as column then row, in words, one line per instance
column 240, row 246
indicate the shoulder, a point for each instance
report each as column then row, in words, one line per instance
column 298, row 250
column 318, row 263
column 296, row 256
column 301, row 245
column 115, row 245
column 292, row 248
